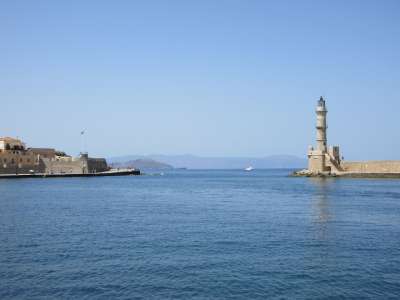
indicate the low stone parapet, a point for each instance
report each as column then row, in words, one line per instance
column 383, row 167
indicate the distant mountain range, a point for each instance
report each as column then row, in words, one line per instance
column 198, row 162
column 141, row 164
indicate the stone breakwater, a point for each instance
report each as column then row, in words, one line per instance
column 306, row 173
column 375, row 166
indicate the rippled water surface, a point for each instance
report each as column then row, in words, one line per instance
column 200, row 234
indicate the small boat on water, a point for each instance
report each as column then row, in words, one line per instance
column 248, row 169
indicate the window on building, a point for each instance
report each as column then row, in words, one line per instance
column 28, row 160
column 12, row 161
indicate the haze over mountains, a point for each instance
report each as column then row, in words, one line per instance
column 197, row 162
column 141, row 164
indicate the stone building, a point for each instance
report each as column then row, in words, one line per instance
column 15, row 158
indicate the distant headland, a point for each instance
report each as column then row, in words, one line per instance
column 327, row 161
column 189, row 161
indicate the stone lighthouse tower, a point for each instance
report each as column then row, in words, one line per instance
column 317, row 157
column 323, row 159
column 321, row 125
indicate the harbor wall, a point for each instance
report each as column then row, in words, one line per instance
column 384, row 166
column 64, row 167
column 15, row 158
column 19, row 161
column 82, row 165
column 23, row 168
column 97, row 165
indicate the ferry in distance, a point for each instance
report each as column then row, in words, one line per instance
column 248, row 169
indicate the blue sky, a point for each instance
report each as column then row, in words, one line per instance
column 213, row 78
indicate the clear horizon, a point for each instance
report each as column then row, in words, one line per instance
column 225, row 79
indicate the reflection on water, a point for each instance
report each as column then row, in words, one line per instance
column 322, row 212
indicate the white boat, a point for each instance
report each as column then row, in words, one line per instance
column 248, row 169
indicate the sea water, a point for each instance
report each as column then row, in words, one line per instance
column 212, row 234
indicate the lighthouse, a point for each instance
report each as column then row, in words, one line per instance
column 321, row 125
column 323, row 159
column 317, row 157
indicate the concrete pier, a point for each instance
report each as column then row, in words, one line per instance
column 122, row 172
